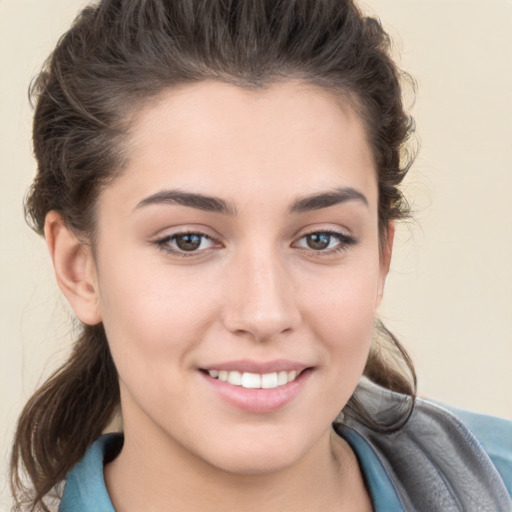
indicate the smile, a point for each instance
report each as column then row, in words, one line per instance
column 255, row 380
column 257, row 386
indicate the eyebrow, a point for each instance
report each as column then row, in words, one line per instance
column 218, row 205
column 326, row 199
column 190, row 199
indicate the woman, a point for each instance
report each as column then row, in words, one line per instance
column 218, row 186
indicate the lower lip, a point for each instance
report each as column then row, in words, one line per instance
column 258, row 400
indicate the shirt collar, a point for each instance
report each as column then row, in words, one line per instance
column 85, row 489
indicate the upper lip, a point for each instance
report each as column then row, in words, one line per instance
column 262, row 367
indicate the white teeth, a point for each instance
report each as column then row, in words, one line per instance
column 255, row 380
column 251, row 380
column 269, row 380
column 282, row 378
column 235, row 378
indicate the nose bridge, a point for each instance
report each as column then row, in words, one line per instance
column 262, row 300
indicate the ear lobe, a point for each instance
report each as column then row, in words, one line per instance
column 74, row 267
column 385, row 260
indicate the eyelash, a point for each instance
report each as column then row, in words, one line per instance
column 344, row 242
column 163, row 243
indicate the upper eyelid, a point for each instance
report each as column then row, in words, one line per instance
column 342, row 237
column 330, row 231
column 169, row 232
column 324, row 227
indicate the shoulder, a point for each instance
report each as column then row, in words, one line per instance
column 85, row 489
column 442, row 457
column 494, row 435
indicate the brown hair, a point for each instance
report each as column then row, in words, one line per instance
column 117, row 56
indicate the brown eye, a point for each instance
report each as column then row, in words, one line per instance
column 188, row 242
column 318, row 241
column 326, row 241
column 185, row 244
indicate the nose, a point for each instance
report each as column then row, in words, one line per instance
column 261, row 298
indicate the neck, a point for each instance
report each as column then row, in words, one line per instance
column 145, row 477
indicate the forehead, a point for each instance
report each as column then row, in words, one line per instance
column 223, row 139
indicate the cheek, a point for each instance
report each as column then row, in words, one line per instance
column 341, row 313
column 347, row 300
column 154, row 323
column 152, row 314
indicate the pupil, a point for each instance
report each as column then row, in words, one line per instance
column 188, row 242
column 318, row 240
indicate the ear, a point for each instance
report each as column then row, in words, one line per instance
column 385, row 259
column 74, row 267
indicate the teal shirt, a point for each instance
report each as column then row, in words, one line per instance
column 85, row 489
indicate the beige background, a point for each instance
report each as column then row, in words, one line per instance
column 449, row 295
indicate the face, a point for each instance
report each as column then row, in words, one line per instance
column 238, row 272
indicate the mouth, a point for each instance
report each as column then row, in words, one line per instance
column 251, row 380
column 257, row 387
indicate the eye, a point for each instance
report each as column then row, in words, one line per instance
column 183, row 243
column 327, row 241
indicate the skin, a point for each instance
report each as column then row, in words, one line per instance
column 254, row 289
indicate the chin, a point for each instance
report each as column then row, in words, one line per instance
column 256, row 463
column 260, row 454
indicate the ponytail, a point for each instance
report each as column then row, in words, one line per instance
column 63, row 418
